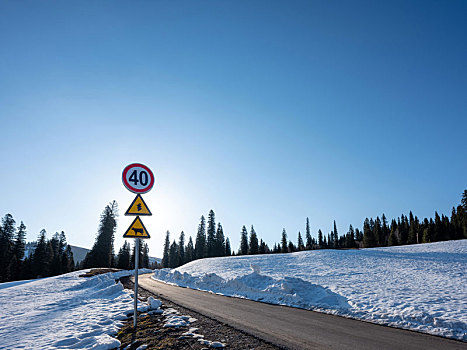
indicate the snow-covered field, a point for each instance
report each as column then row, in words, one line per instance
column 420, row 287
column 64, row 312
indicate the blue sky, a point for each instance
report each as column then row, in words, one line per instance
column 267, row 112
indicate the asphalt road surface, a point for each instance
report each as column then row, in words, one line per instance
column 293, row 328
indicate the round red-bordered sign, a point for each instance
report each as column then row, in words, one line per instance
column 138, row 178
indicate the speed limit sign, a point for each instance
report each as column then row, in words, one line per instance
column 138, row 178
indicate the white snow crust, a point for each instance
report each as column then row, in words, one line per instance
column 65, row 312
column 419, row 287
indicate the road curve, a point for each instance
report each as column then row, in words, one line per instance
column 293, row 328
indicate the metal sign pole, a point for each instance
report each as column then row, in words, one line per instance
column 135, row 314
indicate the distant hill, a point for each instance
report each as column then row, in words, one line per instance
column 78, row 253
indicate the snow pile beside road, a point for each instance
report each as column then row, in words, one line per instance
column 64, row 312
column 420, row 287
column 285, row 291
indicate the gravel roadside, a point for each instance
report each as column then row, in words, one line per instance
column 151, row 330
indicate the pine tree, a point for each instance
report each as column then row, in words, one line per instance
column 189, row 251
column 18, row 252
column 377, row 232
column 412, row 238
column 320, row 239
column 243, row 242
column 173, row 255
column 464, row 200
column 123, row 258
column 181, row 249
column 6, row 246
column 368, row 235
column 42, row 257
column 200, row 244
column 228, row 250
column 211, row 239
column 66, row 255
column 253, row 247
column 165, row 255
column 300, row 244
column 336, row 236
column 262, row 247
column 291, row 247
column 145, row 257
column 350, row 238
column 385, row 231
column 309, row 242
column 284, row 245
column 56, row 263
column 220, row 241
column 102, row 253
column 393, row 240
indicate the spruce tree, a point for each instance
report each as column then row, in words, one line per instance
column 165, row 255
column 66, row 255
column 336, row 236
column 200, row 243
column 189, row 251
column 309, row 242
column 377, row 231
column 181, row 249
column 368, row 235
column 385, row 231
column 6, row 246
column 42, row 257
column 18, row 252
column 320, row 239
column 123, row 258
column 291, row 247
column 412, row 238
column 243, row 242
column 253, row 247
column 56, row 263
column 284, row 245
column 211, row 238
column 393, row 236
column 102, row 253
column 173, row 255
column 300, row 245
column 145, row 256
column 262, row 247
column 228, row 250
column 220, row 241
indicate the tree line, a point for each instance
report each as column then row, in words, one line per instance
column 209, row 242
column 54, row 256
column 375, row 233
column 50, row 257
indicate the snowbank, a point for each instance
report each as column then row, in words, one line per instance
column 420, row 287
column 65, row 312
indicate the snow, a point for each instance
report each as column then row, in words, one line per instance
column 419, row 287
column 65, row 312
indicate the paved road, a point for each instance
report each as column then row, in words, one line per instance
column 296, row 328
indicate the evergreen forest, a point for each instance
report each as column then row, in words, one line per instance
column 53, row 256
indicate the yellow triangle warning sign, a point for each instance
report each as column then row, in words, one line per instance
column 138, row 207
column 136, row 230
